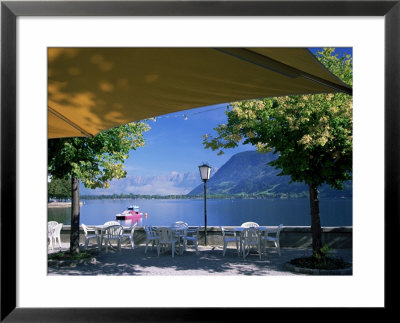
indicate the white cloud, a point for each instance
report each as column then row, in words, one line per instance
column 157, row 187
column 174, row 183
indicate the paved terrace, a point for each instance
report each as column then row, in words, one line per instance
column 209, row 262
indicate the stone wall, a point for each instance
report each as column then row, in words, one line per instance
column 291, row 237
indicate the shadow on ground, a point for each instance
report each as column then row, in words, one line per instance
column 209, row 262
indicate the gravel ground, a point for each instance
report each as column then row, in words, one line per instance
column 209, row 262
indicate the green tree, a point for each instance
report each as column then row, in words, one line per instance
column 311, row 135
column 59, row 188
column 94, row 161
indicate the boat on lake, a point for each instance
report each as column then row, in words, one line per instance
column 131, row 213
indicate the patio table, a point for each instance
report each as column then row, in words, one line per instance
column 99, row 229
column 179, row 232
column 263, row 229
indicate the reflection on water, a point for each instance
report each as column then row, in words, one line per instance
column 132, row 222
column 59, row 214
column 290, row 212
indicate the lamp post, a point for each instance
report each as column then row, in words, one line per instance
column 205, row 176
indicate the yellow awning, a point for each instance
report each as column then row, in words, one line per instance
column 94, row 89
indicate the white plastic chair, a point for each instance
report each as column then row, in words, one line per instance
column 50, row 230
column 229, row 236
column 275, row 239
column 166, row 237
column 52, row 223
column 180, row 229
column 130, row 235
column 249, row 225
column 113, row 232
column 250, row 239
column 107, row 224
column 192, row 235
column 88, row 236
column 151, row 236
column 57, row 234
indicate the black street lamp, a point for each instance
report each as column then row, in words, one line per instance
column 205, row 176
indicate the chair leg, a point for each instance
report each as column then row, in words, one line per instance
column 223, row 253
column 132, row 243
column 182, row 247
column 106, row 246
column 264, row 247
column 261, row 247
column 279, row 247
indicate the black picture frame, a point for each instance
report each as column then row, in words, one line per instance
column 10, row 10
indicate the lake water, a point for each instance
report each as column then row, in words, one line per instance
column 289, row 212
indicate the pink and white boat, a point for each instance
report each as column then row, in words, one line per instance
column 131, row 213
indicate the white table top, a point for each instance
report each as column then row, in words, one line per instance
column 176, row 229
column 102, row 228
column 240, row 229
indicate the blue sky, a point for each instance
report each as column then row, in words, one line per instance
column 174, row 143
column 338, row 50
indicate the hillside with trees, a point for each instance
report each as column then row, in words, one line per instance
column 247, row 174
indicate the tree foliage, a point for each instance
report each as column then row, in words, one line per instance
column 311, row 134
column 59, row 188
column 95, row 161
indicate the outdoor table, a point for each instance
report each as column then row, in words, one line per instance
column 179, row 232
column 240, row 229
column 263, row 229
column 99, row 229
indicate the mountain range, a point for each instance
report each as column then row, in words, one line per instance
column 244, row 174
column 248, row 173
column 174, row 183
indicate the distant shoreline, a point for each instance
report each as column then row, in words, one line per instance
column 60, row 204
column 180, row 197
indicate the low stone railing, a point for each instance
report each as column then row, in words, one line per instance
column 290, row 236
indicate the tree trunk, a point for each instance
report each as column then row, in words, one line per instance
column 75, row 213
column 315, row 220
